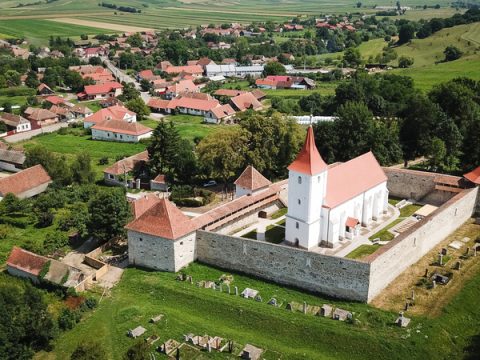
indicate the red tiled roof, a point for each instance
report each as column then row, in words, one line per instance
column 104, row 77
column 43, row 86
column 141, row 205
column 127, row 164
column 192, row 69
column 115, row 112
column 26, row 261
column 351, row 222
column 196, row 104
column 181, row 86
column 24, row 180
column 55, row 100
column 252, row 179
column 259, row 94
column 38, row 114
column 278, row 78
column 223, row 111
column 246, row 101
column 160, row 179
column 163, row 219
column 122, row 127
column 265, row 82
column 146, row 74
column 102, row 88
column 352, row 178
column 229, row 92
column 158, row 103
column 473, row 176
column 308, row 160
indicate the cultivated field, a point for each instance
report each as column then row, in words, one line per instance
column 101, row 25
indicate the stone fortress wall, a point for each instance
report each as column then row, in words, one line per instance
column 340, row 277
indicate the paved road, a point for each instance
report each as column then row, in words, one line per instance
column 121, row 76
column 29, row 134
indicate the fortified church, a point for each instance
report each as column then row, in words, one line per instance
column 326, row 204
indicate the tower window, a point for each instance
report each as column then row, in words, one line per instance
column 297, row 225
column 319, row 178
column 299, row 202
column 299, row 179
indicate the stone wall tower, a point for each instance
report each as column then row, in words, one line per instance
column 307, row 187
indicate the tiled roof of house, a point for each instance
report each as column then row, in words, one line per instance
column 308, row 160
column 115, row 112
column 246, row 101
column 146, row 74
column 58, row 110
column 103, row 77
column 182, row 86
column 223, row 111
column 24, row 180
column 163, row 219
column 43, row 86
column 158, row 103
column 266, row 82
column 259, row 94
column 102, row 88
column 354, row 177
column 38, row 114
column 193, row 69
column 81, row 109
column 12, row 156
column 196, row 104
column 55, row 100
column 26, row 261
column 229, row 92
column 127, row 164
column 160, row 179
column 122, row 127
column 13, row 120
column 473, row 176
column 252, row 179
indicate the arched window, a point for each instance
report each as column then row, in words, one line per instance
column 297, row 225
column 299, row 202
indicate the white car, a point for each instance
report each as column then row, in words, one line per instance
column 210, row 183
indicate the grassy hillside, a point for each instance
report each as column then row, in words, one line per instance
column 285, row 335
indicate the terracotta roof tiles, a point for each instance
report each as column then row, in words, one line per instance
column 473, row 176
column 308, row 160
column 26, row 261
column 24, row 180
column 252, row 179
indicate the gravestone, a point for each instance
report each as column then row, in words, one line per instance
column 426, row 273
column 406, row 305
column 228, row 288
column 467, row 251
column 273, row 302
column 258, row 298
column 304, row 307
column 434, row 284
column 459, row 265
column 475, row 251
column 440, row 259
column 220, row 288
column 236, row 291
column 209, row 347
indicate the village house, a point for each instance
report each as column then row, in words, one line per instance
column 20, row 52
column 219, row 114
column 182, row 86
column 40, row 117
column 118, row 173
column 28, row 265
column 194, row 70
column 15, row 123
column 159, row 183
column 26, row 183
column 250, row 182
column 285, row 82
column 245, row 102
column 11, row 160
column 63, row 113
column 203, row 62
column 121, row 131
column 44, row 90
column 81, row 111
column 101, row 91
column 115, row 112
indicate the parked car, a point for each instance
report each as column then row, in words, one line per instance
column 210, row 183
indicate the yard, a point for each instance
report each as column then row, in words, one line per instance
column 405, row 212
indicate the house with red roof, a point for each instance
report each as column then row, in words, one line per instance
column 194, row 70
column 245, row 102
column 324, row 204
column 121, row 131
column 44, row 90
column 40, row 117
column 219, row 114
column 118, row 174
column 26, row 183
column 115, row 112
column 180, row 87
column 473, row 176
column 101, row 91
column 250, row 182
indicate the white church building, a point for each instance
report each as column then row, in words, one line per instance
column 327, row 203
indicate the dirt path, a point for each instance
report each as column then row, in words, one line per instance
column 101, row 25
column 430, row 302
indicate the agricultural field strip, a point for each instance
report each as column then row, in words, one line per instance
column 101, row 25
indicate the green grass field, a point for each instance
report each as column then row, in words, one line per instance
column 188, row 309
column 362, row 251
column 39, row 31
column 192, row 127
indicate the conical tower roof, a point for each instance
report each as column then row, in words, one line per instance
column 308, row 161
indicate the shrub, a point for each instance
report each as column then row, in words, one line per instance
column 89, row 304
column 4, row 231
column 68, row 319
column 14, row 221
column 103, row 161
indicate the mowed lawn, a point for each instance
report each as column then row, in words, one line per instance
column 39, row 31
column 188, row 309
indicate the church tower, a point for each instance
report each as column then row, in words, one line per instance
column 307, row 187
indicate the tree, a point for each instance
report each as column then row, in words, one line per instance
column 32, row 81
column 138, row 351
column 74, row 81
column 12, row 77
column 96, row 61
column 274, row 68
column 405, row 62
column 352, row 57
column 109, row 213
column 146, row 85
column 76, row 218
column 139, row 107
column 221, row 154
column 82, row 171
column 135, row 40
column 89, row 350
column 164, row 149
column 452, row 53
column 406, row 33
column 84, row 37
column 26, row 325
column 129, row 92
column 312, row 104
column 436, row 153
column 55, row 165
column 359, row 4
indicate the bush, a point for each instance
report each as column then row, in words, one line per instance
column 89, row 304
column 5, row 230
column 189, row 202
column 21, row 223
column 103, row 161
column 68, row 319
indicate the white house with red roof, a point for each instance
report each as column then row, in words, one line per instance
column 121, row 131
column 329, row 203
column 115, row 112
column 101, row 91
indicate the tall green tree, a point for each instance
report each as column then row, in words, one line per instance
column 139, row 107
column 82, row 171
column 55, row 165
column 164, row 150
column 109, row 213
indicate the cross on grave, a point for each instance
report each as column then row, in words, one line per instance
column 475, row 251
column 459, row 265
column 236, row 291
column 440, row 259
column 304, row 307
